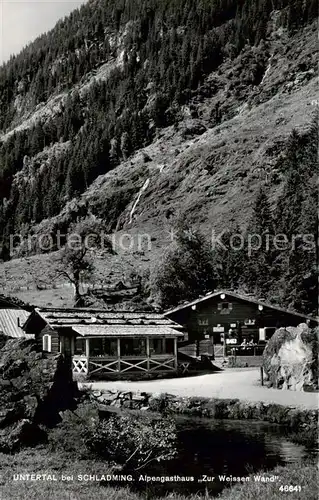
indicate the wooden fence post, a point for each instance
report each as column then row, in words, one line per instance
column 262, row 375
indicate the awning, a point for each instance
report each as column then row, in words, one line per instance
column 125, row 331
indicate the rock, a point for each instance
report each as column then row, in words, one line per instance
column 96, row 394
column 34, row 389
column 8, row 416
column 117, row 403
column 4, row 383
column 193, row 128
column 290, row 358
column 125, row 395
column 100, row 399
column 108, row 398
column 30, row 406
column 138, row 397
column 14, row 370
column 23, row 433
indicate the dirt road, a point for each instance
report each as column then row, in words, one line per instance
column 243, row 384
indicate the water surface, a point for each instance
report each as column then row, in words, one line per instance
column 212, row 448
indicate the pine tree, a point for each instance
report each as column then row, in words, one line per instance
column 259, row 246
column 125, row 145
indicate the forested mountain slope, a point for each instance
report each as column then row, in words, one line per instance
column 140, row 112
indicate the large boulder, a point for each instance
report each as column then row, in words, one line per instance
column 290, row 359
column 34, row 388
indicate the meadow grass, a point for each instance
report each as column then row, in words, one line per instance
column 41, row 460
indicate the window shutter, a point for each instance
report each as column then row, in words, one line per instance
column 46, row 343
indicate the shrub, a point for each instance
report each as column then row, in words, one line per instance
column 69, row 435
column 158, row 403
column 132, row 441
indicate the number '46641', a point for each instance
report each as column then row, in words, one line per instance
column 289, row 488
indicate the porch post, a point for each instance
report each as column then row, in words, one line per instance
column 87, row 354
column 164, row 345
column 118, row 354
column 72, row 345
column 61, row 344
column 87, row 348
column 148, row 353
column 175, row 352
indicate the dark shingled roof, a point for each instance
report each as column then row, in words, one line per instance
column 246, row 298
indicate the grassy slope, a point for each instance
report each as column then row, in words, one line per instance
column 212, row 177
column 41, row 462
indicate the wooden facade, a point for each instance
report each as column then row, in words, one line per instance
column 123, row 354
column 235, row 316
column 48, row 340
column 107, row 344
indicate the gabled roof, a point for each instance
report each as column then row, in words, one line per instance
column 240, row 297
column 76, row 317
column 10, row 319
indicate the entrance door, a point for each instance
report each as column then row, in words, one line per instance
column 218, row 334
column 67, row 347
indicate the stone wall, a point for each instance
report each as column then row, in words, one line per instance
column 244, row 361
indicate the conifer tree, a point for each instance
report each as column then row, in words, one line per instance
column 259, row 246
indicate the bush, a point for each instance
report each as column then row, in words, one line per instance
column 158, row 403
column 69, row 435
column 132, row 441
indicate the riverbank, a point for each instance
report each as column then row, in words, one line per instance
column 302, row 424
column 57, row 466
column 241, row 384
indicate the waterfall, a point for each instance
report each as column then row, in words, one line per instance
column 141, row 191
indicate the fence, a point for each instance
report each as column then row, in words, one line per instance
column 253, row 350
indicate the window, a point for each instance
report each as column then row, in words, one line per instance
column 133, row 347
column 249, row 322
column 156, row 346
column 169, row 346
column 103, row 347
column 225, row 307
column 203, row 322
column 79, row 346
column 46, row 342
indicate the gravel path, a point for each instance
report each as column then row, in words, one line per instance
column 242, row 384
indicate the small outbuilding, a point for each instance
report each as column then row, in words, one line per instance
column 107, row 344
column 13, row 315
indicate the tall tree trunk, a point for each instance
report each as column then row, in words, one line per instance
column 77, row 294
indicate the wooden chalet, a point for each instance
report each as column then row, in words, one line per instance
column 108, row 344
column 228, row 316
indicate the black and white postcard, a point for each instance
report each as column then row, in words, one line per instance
column 159, row 249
